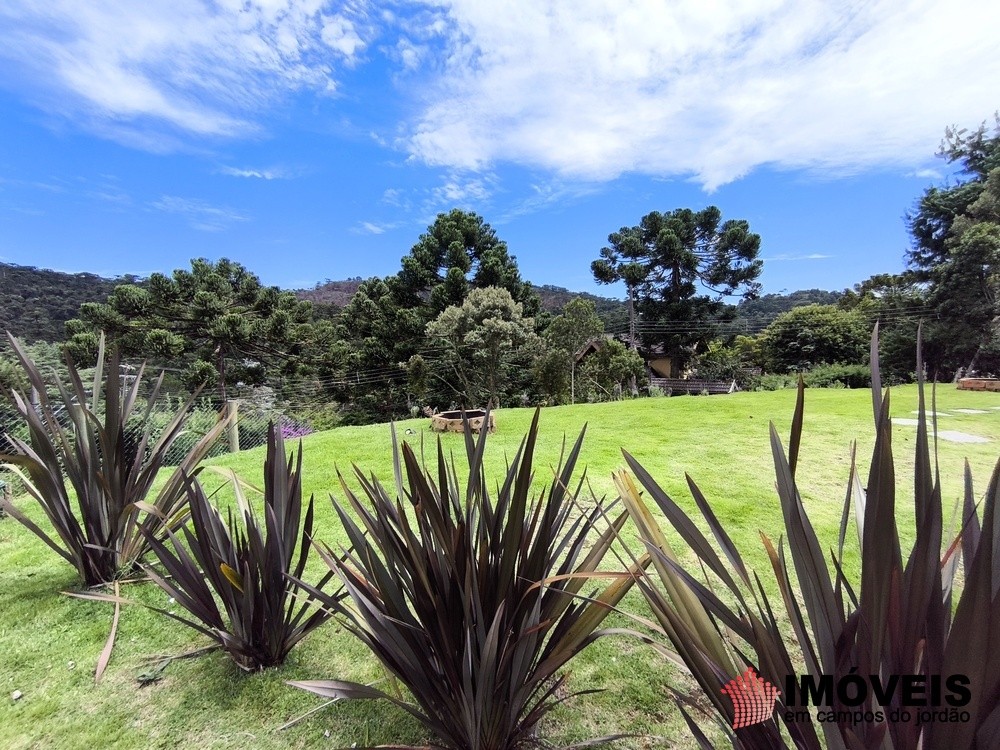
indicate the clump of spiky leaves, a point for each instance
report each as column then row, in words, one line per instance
column 472, row 602
column 247, row 564
column 84, row 436
column 899, row 619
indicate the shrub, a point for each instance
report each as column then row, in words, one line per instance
column 813, row 334
column 320, row 417
column 839, row 376
column 771, row 382
column 82, row 436
column 472, row 603
column 903, row 614
column 201, row 419
column 247, row 565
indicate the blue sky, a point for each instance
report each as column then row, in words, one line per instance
column 312, row 140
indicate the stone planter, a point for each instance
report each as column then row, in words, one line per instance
column 979, row 384
column 451, row 421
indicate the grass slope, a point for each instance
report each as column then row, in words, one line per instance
column 50, row 643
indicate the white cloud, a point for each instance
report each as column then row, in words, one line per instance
column 369, row 227
column 202, row 68
column 927, row 174
column 789, row 256
column 582, row 91
column 339, row 34
column 200, row 215
column 274, row 173
column 410, row 55
column 595, row 88
column 462, row 190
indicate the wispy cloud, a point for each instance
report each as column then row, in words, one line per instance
column 926, row 174
column 592, row 90
column 462, row 190
column 193, row 67
column 274, row 173
column 199, row 214
column 545, row 194
column 369, row 227
column 395, row 197
column 789, row 256
column 7, row 207
column 113, row 197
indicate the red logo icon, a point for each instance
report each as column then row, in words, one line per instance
column 753, row 698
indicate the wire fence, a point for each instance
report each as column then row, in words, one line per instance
column 305, row 407
column 248, row 429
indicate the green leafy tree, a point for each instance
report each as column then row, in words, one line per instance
column 217, row 318
column 378, row 333
column 897, row 302
column 679, row 267
column 565, row 336
column 604, row 374
column 720, row 361
column 955, row 251
column 553, row 371
column 418, row 377
column 489, row 346
column 812, row 335
column 754, row 314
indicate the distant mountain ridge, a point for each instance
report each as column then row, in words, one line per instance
column 35, row 303
column 337, row 293
column 553, row 298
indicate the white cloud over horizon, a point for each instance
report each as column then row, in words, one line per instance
column 199, row 214
column 582, row 92
column 593, row 90
column 204, row 69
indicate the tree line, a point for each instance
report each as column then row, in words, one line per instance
column 458, row 326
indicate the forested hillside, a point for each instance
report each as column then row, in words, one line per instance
column 758, row 313
column 553, row 298
column 35, row 303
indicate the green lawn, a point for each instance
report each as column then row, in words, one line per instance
column 49, row 643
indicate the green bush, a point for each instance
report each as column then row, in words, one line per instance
column 201, row 419
column 838, row 376
column 811, row 335
column 773, row 382
column 320, row 417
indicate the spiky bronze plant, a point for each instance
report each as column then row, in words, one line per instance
column 473, row 603
column 246, row 563
column 904, row 620
column 82, row 436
